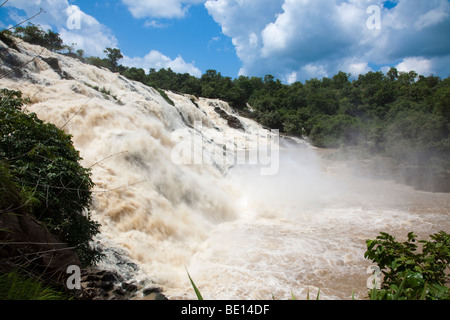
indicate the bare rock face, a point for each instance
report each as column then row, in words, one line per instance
column 232, row 120
column 24, row 242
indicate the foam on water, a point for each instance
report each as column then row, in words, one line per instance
column 241, row 234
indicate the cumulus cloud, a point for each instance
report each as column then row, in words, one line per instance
column 158, row 8
column 73, row 25
column 157, row 60
column 294, row 39
column 420, row 65
column 76, row 27
column 242, row 21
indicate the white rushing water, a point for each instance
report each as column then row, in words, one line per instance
column 171, row 207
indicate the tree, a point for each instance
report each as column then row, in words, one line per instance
column 96, row 61
column 392, row 74
column 340, row 80
column 135, row 74
column 80, row 55
column 442, row 103
column 53, row 41
column 45, row 164
column 333, row 131
column 35, row 35
column 31, row 33
column 113, row 57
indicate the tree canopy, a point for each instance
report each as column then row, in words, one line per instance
column 35, row 35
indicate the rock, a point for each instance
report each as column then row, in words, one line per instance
column 54, row 64
column 155, row 297
column 233, row 121
column 99, row 285
column 148, row 291
column 8, row 41
column 153, row 293
column 108, row 285
column 26, row 241
column 119, row 291
column 129, row 287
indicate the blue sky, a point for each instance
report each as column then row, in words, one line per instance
column 291, row 39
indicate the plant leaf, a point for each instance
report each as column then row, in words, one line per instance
column 197, row 292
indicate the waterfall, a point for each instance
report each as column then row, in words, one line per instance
column 196, row 186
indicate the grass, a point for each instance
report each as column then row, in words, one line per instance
column 15, row 286
column 106, row 93
column 197, row 292
column 166, row 97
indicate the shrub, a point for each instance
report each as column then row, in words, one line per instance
column 44, row 163
column 408, row 274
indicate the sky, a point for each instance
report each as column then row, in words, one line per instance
column 293, row 40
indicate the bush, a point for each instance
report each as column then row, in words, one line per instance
column 408, row 274
column 44, row 164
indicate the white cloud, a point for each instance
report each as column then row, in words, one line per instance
column 354, row 66
column 154, row 24
column 291, row 78
column 313, row 71
column 431, row 18
column 357, row 68
column 73, row 25
column 420, row 65
column 155, row 59
column 158, row 8
column 242, row 21
column 321, row 37
column 253, row 39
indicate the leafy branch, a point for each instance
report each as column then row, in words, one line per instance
column 410, row 274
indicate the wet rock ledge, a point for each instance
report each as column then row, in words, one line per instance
column 107, row 285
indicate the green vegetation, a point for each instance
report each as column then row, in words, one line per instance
column 113, row 57
column 40, row 173
column 16, row 286
column 165, row 96
column 407, row 273
column 197, row 292
column 35, row 35
column 45, row 165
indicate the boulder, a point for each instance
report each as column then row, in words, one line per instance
column 26, row 242
column 232, row 121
